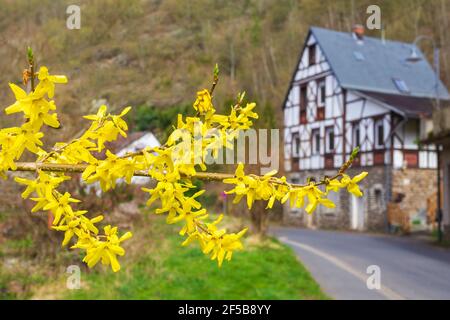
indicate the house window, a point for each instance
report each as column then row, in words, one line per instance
column 329, row 140
column 321, row 93
column 295, row 145
column 379, row 134
column 401, row 85
column 320, row 113
column 356, row 135
column 312, row 54
column 315, row 135
column 379, row 198
column 411, row 158
column 303, row 103
column 303, row 97
column 376, row 198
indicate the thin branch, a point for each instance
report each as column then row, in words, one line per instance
column 79, row 168
column 30, row 57
column 215, row 79
column 210, row 176
column 32, row 76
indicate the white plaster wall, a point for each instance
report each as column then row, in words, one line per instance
column 359, row 109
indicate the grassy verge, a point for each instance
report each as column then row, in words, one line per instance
column 157, row 267
column 445, row 243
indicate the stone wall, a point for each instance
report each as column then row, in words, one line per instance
column 417, row 185
column 445, row 158
column 376, row 195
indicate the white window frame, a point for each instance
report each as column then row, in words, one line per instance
column 377, row 124
column 328, row 140
column 356, row 127
column 296, row 142
column 321, row 99
column 314, row 145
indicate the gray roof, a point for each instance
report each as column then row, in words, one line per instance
column 382, row 63
column 409, row 106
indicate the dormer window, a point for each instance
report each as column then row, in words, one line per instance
column 312, row 54
column 358, row 55
column 401, row 85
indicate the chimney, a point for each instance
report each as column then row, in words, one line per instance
column 358, row 31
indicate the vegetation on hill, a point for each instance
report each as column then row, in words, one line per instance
column 159, row 52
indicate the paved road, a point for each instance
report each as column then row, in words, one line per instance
column 409, row 268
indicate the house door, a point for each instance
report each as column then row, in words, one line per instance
column 357, row 213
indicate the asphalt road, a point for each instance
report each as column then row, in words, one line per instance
column 408, row 268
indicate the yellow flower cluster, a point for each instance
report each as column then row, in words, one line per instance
column 39, row 111
column 271, row 188
column 173, row 166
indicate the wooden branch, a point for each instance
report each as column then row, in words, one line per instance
column 211, row 176
column 78, row 168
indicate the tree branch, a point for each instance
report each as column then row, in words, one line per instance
column 209, row 176
column 79, row 168
column 212, row 176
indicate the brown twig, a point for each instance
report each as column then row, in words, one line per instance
column 78, row 168
column 30, row 57
column 211, row 176
column 215, row 79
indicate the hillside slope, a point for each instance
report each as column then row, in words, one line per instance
column 160, row 52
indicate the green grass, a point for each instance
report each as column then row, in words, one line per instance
column 445, row 243
column 165, row 270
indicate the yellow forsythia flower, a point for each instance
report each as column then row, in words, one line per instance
column 203, row 104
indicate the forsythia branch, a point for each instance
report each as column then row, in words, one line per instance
column 173, row 166
column 80, row 168
column 209, row 176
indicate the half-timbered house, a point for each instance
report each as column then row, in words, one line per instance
column 349, row 90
